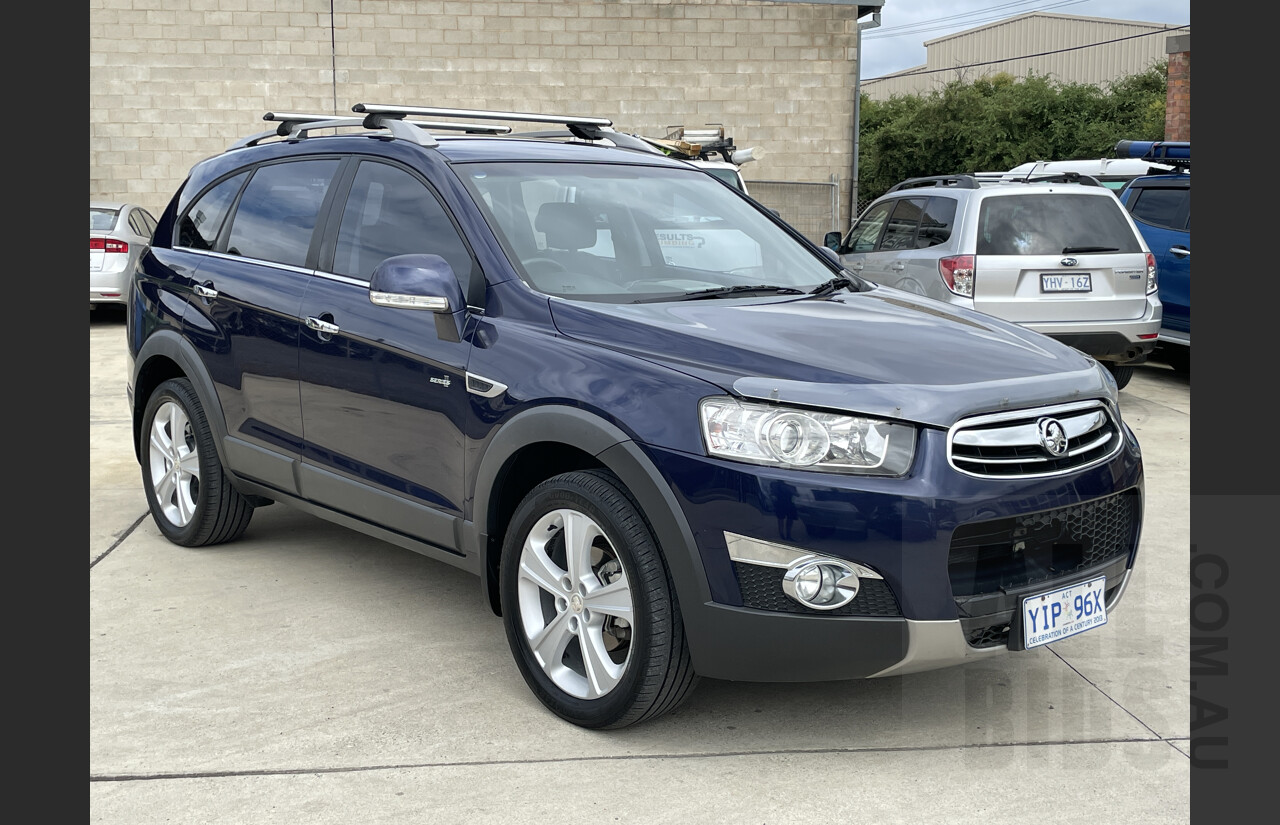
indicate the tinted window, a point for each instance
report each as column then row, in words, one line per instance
column 277, row 214
column 900, row 233
column 1158, row 207
column 863, row 236
column 390, row 212
column 936, row 222
column 199, row 227
column 1050, row 224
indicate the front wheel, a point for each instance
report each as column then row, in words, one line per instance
column 589, row 608
column 1121, row 374
column 191, row 498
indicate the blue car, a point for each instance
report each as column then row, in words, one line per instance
column 671, row 437
column 1161, row 207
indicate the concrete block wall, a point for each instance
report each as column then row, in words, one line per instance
column 174, row 81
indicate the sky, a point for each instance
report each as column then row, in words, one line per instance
column 905, row 25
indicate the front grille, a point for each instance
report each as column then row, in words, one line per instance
column 1009, row 445
column 1010, row 553
column 762, row 589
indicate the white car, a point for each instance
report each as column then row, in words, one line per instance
column 118, row 234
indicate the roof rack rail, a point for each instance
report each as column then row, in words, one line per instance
column 582, row 127
column 1058, row 177
column 948, row 181
column 294, row 125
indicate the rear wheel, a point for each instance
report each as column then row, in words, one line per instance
column 191, row 499
column 589, row 608
column 1122, row 374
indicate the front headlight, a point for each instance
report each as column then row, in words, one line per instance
column 803, row 439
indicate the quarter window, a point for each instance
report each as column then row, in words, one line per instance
column 390, row 212
column 277, row 214
column 936, row 222
column 199, row 227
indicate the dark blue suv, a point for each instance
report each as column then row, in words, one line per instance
column 670, row 436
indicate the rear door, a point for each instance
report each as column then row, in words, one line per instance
column 383, row 389
column 1162, row 209
column 1059, row 254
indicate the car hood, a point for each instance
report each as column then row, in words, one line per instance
column 882, row 352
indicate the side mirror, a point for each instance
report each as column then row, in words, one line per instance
column 831, row 241
column 417, row 281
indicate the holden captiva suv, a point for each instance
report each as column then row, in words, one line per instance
column 671, row 437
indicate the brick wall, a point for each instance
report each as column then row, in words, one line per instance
column 174, row 81
column 1177, row 106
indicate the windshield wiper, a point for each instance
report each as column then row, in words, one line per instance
column 838, row 282
column 725, row 291
column 1068, row 250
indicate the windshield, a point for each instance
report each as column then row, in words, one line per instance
column 623, row 233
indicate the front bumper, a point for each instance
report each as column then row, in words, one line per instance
column 917, row 532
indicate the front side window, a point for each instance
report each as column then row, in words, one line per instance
column 277, row 214
column 623, row 233
column 865, row 233
column 391, row 212
column 1053, row 224
column 199, row 227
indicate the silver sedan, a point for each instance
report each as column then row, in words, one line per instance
column 118, row 234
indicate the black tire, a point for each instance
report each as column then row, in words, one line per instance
column 1121, row 374
column 191, row 499
column 649, row 672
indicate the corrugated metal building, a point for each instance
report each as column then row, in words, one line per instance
column 1067, row 48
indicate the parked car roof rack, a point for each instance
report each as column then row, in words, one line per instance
column 394, row 119
column 1058, row 177
column 582, row 127
column 1170, row 152
column 950, row 181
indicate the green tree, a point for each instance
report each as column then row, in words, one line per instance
column 997, row 122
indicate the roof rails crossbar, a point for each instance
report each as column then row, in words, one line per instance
column 296, row 125
column 949, row 181
column 582, row 127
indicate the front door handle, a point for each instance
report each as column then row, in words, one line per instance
column 897, row 267
column 323, row 327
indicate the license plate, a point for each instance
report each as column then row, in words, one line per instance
column 1066, row 283
column 1053, row 616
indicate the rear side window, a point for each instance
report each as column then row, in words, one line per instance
column 199, row 227
column 390, row 212
column 1159, row 207
column 1053, row 224
column 277, row 214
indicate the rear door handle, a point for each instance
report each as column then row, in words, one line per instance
column 897, row 267
column 205, row 291
column 1180, row 252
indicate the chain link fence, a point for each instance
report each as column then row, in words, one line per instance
column 812, row 208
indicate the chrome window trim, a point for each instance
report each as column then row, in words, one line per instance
column 955, row 435
column 246, row 259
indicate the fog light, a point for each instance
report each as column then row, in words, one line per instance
column 821, row 584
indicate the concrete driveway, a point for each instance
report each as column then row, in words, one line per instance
column 308, row 674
